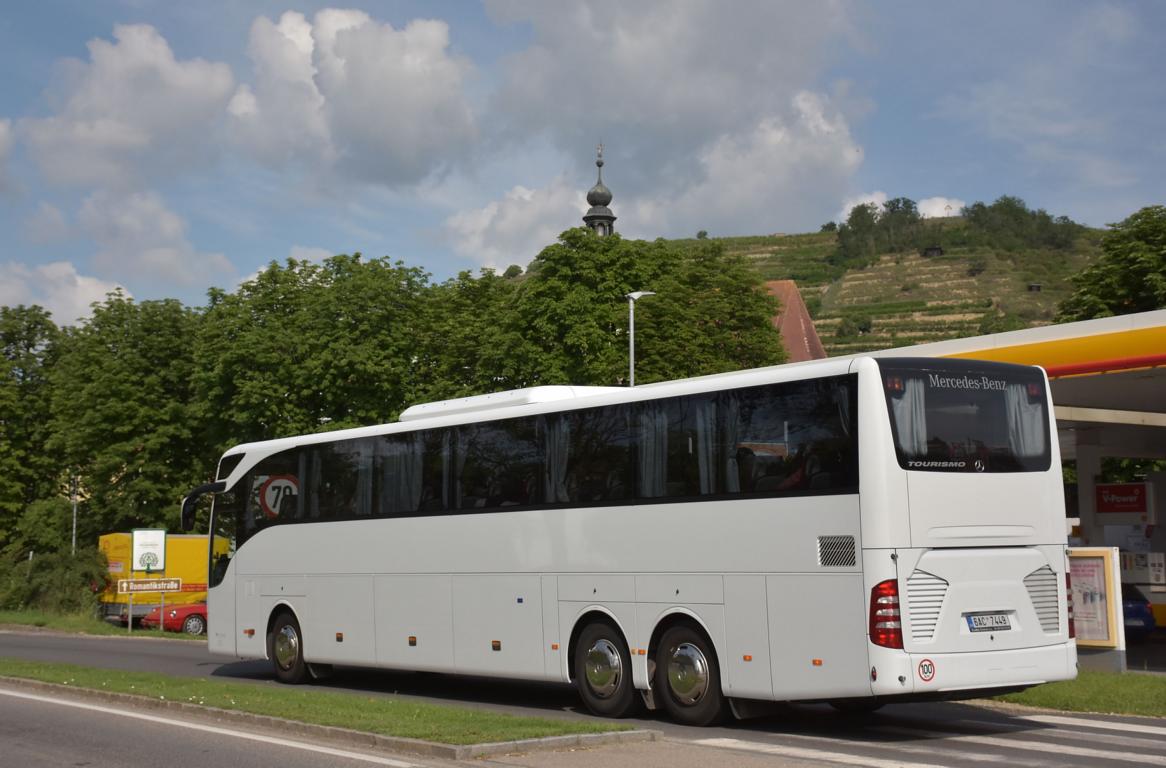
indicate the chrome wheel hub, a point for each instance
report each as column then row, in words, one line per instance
column 603, row 669
column 688, row 674
column 287, row 647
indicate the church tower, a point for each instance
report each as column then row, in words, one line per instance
column 599, row 217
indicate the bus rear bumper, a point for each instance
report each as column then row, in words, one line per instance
column 947, row 674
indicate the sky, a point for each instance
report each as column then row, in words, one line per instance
column 167, row 148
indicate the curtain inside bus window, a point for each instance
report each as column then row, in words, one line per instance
column 557, row 432
column 911, row 417
column 1026, row 433
column 705, row 416
column 653, row 450
column 362, row 456
column 399, row 469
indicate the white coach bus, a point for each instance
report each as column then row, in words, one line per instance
column 855, row 531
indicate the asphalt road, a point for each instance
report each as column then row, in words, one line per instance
column 911, row 735
column 38, row 731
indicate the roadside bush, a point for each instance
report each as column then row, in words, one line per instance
column 57, row 582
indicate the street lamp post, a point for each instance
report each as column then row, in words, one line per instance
column 631, row 297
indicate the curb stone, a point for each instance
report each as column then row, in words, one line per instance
column 346, row 735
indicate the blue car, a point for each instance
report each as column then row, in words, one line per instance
column 1139, row 618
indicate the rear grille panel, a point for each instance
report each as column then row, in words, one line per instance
column 1042, row 591
column 925, row 595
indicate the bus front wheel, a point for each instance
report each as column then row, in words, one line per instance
column 286, row 650
column 603, row 671
column 688, row 678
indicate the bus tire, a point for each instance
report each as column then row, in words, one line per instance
column 688, row 678
column 285, row 647
column 603, row 671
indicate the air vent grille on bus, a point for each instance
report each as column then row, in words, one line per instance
column 925, row 594
column 1042, row 590
column 836, row 551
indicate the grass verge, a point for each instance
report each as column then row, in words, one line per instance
column 382, row 715
column 79, row 622
column 1111, row 693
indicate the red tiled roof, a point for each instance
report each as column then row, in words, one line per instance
column 798, row 335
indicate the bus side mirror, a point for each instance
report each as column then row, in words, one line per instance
column 188, row 504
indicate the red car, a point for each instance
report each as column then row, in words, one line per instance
column 190, row 619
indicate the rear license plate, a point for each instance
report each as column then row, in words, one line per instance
column 988, row 622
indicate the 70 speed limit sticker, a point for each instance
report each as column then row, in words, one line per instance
column 927, row 670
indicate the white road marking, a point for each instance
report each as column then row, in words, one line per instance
column 1034, row 746
column 1081, row 722
column 809, row 754
column 213, row 729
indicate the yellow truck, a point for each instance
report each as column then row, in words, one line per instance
column 185, row 560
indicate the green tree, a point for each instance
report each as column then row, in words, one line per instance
column 857, row 238
column 28, row 470
column 122, row 414
column 898, row 224
column 710, row 313
column 1009, row 224
column 1129, row 277
column 474, row 344
column 306, row 347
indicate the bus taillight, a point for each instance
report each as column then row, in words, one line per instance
column 1069, row 604
column 886, row 622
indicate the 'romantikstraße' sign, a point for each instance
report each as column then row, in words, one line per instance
column 134, row 586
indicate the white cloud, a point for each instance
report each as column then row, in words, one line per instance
column 131, row 112
column 514, row 229
column 137, row 234
column 774, row 176
column 380, row 104
column 878, row 197
column 281, row 118
column 769, row 177
column 57, row 287
column 658, row 80
column 937, row 207
column 47, row 225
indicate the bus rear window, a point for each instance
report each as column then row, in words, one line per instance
column 958, row 416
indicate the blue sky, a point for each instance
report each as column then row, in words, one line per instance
column 166, row 148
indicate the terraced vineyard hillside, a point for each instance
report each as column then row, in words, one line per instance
column 906, row 298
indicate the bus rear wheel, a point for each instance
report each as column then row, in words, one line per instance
column 688, row 678
column 285, row 648
column 603, row 671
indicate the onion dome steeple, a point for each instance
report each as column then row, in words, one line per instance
column 599, row 217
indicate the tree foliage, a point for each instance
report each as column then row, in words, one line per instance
column 1007, row 224
column 28, row 469
column 1130, row 276
column 709, row 313
column 122, row 411
column 305, row 347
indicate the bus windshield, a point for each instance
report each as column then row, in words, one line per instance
column 967, row 416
